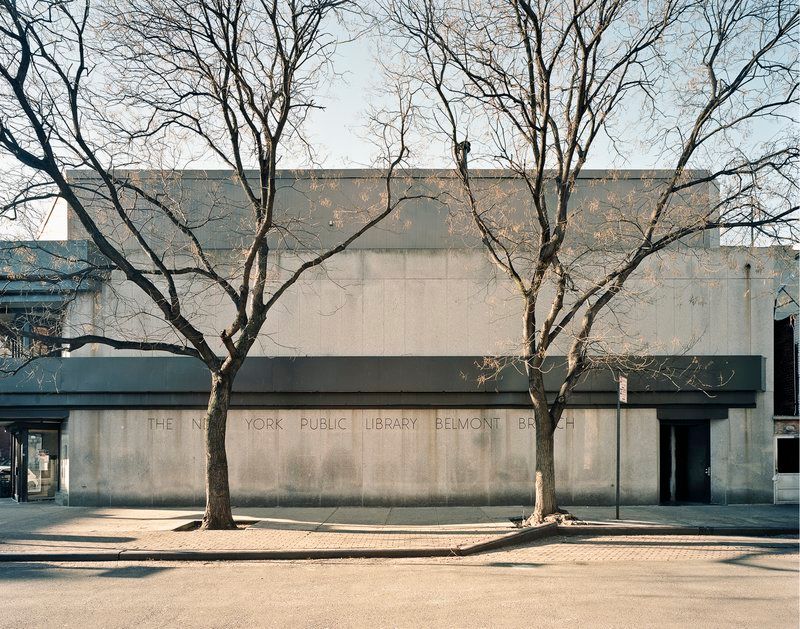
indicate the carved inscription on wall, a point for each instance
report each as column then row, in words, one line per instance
column 327, row 423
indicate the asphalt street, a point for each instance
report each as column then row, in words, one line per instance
column 655, row 582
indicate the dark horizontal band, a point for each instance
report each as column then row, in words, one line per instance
column 373, row 382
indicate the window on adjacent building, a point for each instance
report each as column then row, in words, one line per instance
column 786, row 375
column 18, row 326
column 788, row 461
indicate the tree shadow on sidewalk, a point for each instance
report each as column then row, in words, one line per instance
column 51, row 571
column 24, row 536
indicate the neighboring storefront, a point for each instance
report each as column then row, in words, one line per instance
column 34, row 462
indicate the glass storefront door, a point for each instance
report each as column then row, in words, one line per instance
column 34, row 465
column 17, row 463
column 42, row 464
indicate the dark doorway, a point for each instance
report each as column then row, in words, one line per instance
column 685, row 453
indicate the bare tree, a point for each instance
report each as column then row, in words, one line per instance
column 539, row 88
column 89, row 93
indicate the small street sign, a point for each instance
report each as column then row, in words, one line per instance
column 622, row 398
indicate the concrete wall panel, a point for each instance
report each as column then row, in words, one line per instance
column 358, row 457
column 454, row 302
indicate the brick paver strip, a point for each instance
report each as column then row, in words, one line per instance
column 250, row 539
column 644, row 548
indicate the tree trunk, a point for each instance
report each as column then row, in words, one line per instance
column 218, row 514
column 545, row 483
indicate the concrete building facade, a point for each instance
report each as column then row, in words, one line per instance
column 368, row 383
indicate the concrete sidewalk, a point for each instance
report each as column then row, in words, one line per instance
column 48, row 529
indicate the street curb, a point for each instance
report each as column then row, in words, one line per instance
column 99, row 555
column 514, row 538
column 527, row 534
column 226, row 555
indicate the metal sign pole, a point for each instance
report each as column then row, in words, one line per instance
column 616, row 503
column 622, row 396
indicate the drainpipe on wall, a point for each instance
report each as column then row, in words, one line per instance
column 748, row 307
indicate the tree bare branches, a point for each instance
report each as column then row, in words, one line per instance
column 91, row 93
column 538, row 88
